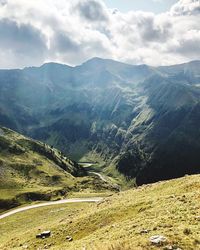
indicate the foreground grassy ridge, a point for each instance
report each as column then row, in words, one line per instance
column 170, row 208
column 31, row 170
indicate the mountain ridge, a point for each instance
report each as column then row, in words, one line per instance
column 126, row 116
column 96, row 59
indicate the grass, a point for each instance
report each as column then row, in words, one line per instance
column 170, row 208
column 109, row 170
column 30, row 170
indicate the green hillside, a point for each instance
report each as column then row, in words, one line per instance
column 31, row 171
column 124, row 221
column 141, row 121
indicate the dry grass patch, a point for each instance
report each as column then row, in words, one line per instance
column 123, row 221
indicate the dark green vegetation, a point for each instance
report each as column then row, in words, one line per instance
column 32, row 171
column 140, row 120
column 124, row 221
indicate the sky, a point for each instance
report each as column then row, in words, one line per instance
column 153, row 32
column 155, row 6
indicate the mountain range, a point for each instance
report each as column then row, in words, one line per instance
column 140, row 120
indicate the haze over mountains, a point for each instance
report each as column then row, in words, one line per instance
column 142, row 120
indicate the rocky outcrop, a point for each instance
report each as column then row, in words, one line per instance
column 144, row 120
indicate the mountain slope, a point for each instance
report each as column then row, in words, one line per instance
column 124, row 221
column 140, row 120
column 31, row 171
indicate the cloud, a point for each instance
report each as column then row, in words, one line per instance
column 186, row 7
column 3, row 2
column 153, row 29
column 189, row 45
column 92, row 10
column 33, row 32
column 63, row 42
column 23, row 41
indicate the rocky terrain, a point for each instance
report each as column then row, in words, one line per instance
column 139, row 120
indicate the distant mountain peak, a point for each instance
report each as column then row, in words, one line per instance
column 145, row 119
column 54, row 64
column 96, row 60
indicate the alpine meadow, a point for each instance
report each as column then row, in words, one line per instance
column 100, row 125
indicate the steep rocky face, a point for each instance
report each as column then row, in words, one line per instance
column 167, row 143
column 142, row 119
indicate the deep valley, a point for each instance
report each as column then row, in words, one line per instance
column 139, row 122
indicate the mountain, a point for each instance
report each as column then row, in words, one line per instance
column 139, row 120
column 124, row 221
column 31, row 170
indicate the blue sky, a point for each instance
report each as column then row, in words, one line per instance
column 156, row 6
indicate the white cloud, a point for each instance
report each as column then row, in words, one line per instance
column 36, row 31
column 186, row 7
column 92, row 10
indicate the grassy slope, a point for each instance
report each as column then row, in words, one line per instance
column 108, row 170
column 170, row 208
column 30, row 170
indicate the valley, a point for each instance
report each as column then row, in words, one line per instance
column 138, row 122
column 81, row 146
column 32, row 171
column 99, row 125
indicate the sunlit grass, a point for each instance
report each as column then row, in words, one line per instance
column 170, row 208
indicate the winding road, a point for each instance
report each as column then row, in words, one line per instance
column 88, row 165
column 99, row 175
column 50, row 203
